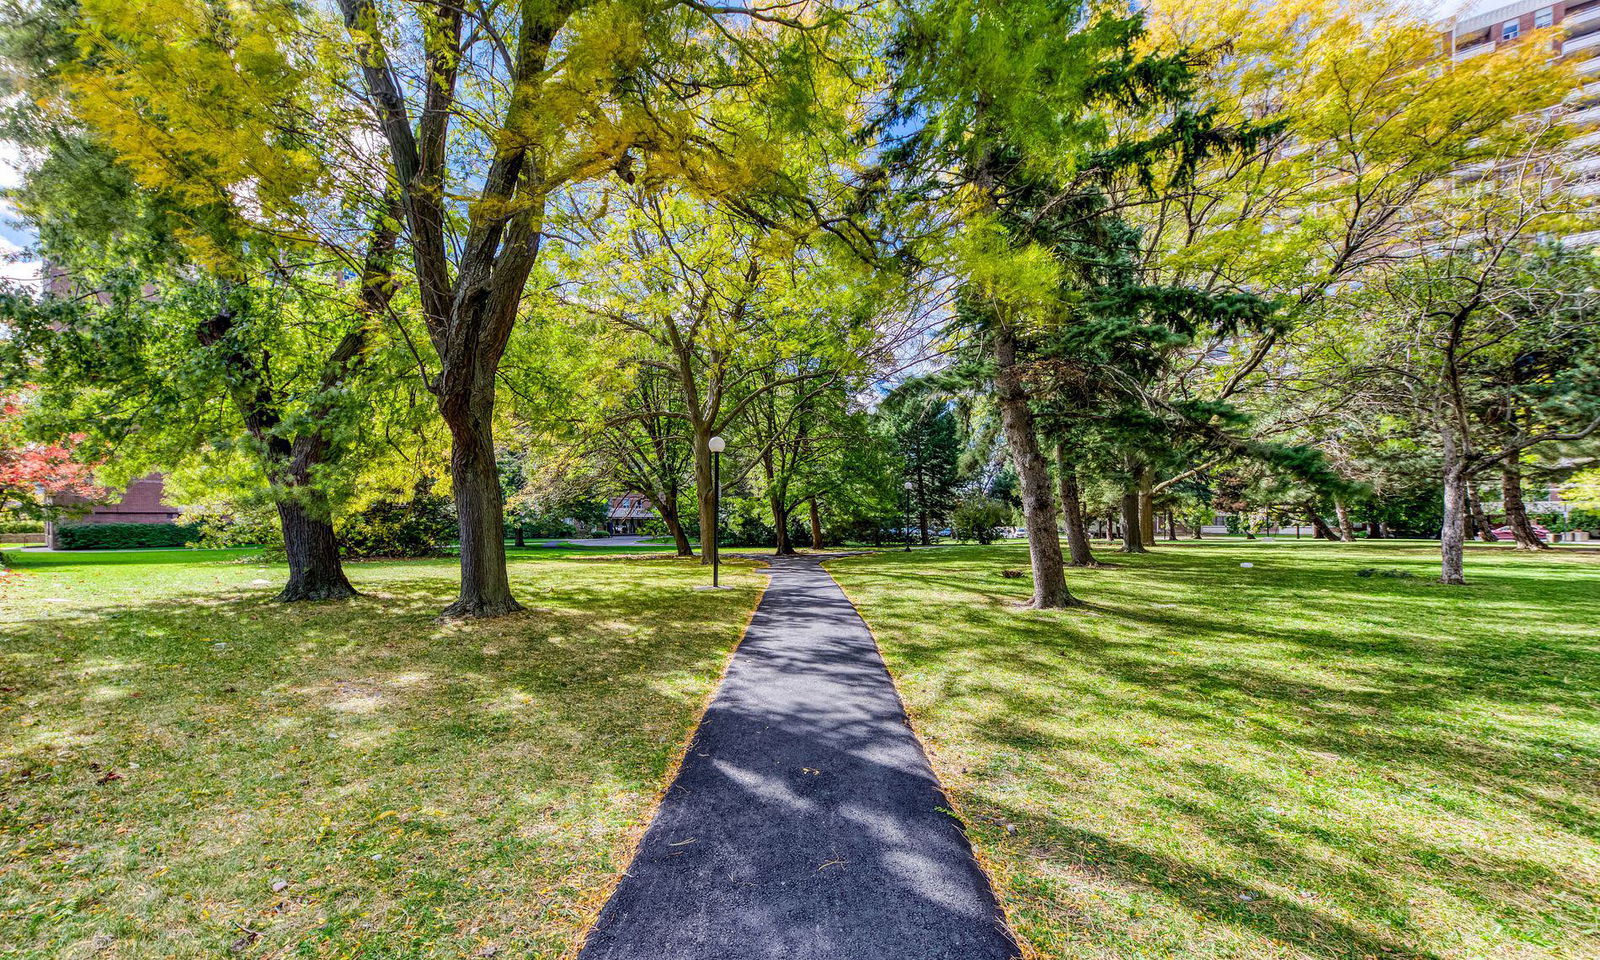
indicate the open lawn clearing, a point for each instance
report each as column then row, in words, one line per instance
column 1286, row 760
column 187, row 768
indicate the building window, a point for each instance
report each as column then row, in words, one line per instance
column 1544, row 18
column 1508, row 30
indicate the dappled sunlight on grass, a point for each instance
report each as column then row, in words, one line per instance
column 1285, row 760
column 173, row 746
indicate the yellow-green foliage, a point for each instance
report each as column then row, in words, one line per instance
column 203, row 101
column 1377, row 124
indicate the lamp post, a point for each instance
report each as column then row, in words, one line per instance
column 717, row 445
column 909, row 487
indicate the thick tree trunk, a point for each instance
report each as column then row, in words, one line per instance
column 680, row 538
column 315, row 572
column 664, row 496
column 1516, row 510
column 1452, row 533
column 1320, row 526
column 780, row 525
column 1132, row 526
column 1038, row 507
column 1147, row 504
column 475, row 482
column 519, row 537
column 1347, row 531
column 1132, row 533
column 816, row 526
column 666, row 501
column 705, row 496
column 1172, row 527
column 1078, row 551
column 776, row 499
column 1479, row 521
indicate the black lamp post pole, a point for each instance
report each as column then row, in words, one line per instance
column 716, row 514
column 908, row 516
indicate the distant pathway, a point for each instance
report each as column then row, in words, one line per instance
column 805, row 823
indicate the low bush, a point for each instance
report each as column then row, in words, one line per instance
column 255, row 526
column 389, row 528
column 21, row 526
column 1393, row 574
column 980, row 519
column 125, row 536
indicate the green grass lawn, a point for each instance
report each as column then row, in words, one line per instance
column 1283, row 761
column 189, row 770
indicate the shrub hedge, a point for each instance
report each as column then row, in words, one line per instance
column 125, row 536
column 390, row 528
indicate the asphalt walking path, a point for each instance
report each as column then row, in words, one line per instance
column 805, row 823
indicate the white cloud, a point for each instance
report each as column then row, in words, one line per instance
column 26, row 273
column 11, row 164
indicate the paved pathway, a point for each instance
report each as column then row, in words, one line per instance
column 620, row 540
column 805, row 823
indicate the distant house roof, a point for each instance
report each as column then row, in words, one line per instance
column 144, row 501
column 630, row 506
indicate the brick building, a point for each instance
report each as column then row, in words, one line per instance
column 627, row 513
column 143, row 502
column 1483, row 27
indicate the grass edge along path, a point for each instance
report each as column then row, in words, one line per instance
column 647, row 813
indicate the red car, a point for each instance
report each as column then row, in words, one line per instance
column 1504, row 533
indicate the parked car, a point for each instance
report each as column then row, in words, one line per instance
column 1504, row 533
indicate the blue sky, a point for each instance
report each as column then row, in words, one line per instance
column 13, row 239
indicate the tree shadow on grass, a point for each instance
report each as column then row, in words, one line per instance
column 1214, row 896
column 215, row 735
column 1430, row 698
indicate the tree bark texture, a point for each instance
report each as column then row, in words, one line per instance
column 1452, row 533
column 1516, row 509
column 1132, row 525
column 1347, row 530
column 1038, row 506
column 1078, row 550
column 1480, row 522
column 668, row 508
column 704, row 495
column 1147, row 504
column 480, row 513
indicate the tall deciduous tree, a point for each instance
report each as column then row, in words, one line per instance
column 1036, row 150
column 730, row 311
column 545, row 94
column 166, row 281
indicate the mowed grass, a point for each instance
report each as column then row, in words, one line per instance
column 1283, row 761
column 174, row 746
